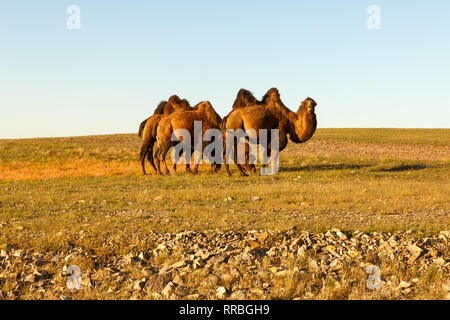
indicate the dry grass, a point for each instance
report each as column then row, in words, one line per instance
column 89, row 190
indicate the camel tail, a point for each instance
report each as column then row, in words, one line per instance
column 141, row 128
column 144, row 152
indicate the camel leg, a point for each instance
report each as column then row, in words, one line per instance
column 142, row 155
column 249, row 166
column 163, row 159
column 174, row 166
column 227, row 169
column 241, row 169
column 225, row 161
column 215, row 167
column 156, row 152
column 150, row 155
column 159, row 156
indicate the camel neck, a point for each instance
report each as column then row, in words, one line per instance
column 302, row 126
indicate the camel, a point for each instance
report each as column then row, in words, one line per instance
column 300, row 126
column 150, row 125
column 244, row 98
column 183, row 120
column 159, row 110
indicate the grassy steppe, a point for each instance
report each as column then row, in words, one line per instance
column 88, row 192
column 353, row 179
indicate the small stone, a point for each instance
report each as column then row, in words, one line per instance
column 131, row 259
column 415, row 251
column 255, row 198
column 178, row 280
column 228, row 247
column 238, row 295
column 39, row 262
column 272, row 252
column 156, row 296
column 67, row 258
column 17, row 253
column 313, row 266
column 179, row 264
column 212, row 280
column 263, row 236
column 164, row 270
column 143, row 256
column 404, row 285
column 30, row 278
column 257, row 291
column 353, row 253
column 282, row 273
column 86, row 282
column 140, row 284
column 221, row 292
column 161, row 246
column 335, row 265
column 341, row 235
column 168, row 289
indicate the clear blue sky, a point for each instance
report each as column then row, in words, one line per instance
column 129, row 55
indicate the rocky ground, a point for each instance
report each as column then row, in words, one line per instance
column 292, row 264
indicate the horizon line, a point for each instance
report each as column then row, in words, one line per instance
column 128, row 133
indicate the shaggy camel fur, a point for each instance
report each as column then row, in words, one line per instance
column 183, row 120
column 300, row 126
column 174, row 104
column 244, row 98
column 159, row 110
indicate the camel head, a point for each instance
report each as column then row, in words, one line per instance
column 307, row 106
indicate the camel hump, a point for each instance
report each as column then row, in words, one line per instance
column 174, row 99
column 206, row 103
column 160, row 108
column 272, row 94
column 202, row 105
column 244, row 98
column 185, row 104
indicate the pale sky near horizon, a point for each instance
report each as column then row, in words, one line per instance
column 129, row 55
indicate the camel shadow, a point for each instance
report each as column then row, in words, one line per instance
column 324, row 167
column 404, row 168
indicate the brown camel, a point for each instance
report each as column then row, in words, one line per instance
column 274, row 115
column 148, row 134
column 203, row 112
column 244, row 98
column 159, row 110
